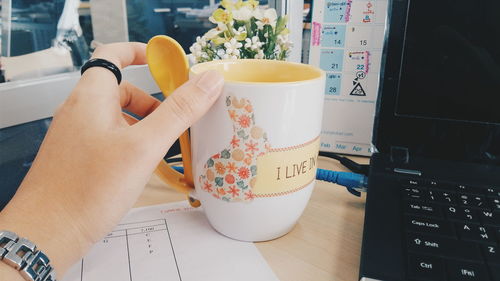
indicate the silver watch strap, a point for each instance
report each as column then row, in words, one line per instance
column 23, row 255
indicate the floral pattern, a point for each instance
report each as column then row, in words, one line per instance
column 230, row 174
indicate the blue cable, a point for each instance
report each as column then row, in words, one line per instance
column 354, row 183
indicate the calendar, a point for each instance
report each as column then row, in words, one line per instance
column 347, row 38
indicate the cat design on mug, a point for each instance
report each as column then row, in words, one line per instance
column 230, row 174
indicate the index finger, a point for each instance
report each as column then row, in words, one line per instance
column 99, row 84
column 122, row 54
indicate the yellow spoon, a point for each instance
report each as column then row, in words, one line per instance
column 170, row 69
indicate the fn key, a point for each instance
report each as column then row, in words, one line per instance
column 425, row 268
column 461, row 271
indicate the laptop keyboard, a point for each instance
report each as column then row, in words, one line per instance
column 452, row 231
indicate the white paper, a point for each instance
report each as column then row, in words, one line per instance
column 170, row 242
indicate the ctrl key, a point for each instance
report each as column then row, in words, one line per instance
column 425, row 268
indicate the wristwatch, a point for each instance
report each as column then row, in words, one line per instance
column 23, row 255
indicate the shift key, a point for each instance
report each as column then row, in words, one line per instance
column 430, row 226
column 442, row 247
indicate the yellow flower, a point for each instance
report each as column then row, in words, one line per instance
column 227, row 4
column 285, row 31
column 223, row 16
column 239, row 4
column 252, row 3
column 241, row 36
column 219, row 40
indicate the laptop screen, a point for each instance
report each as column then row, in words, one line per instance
column 451, row 62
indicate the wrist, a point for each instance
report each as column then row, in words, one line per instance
column 23, row 255
column 9, row 273
column 49, row 230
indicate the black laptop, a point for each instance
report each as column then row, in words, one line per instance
column 433, row 204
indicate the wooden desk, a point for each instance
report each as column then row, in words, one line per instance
column 324, row 245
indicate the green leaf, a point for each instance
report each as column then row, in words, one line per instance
column 238, row 24
column 269, row 51
column 248, row 26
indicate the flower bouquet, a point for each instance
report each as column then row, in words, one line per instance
column 244, row 31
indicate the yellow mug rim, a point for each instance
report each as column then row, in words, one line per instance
column 205, row 66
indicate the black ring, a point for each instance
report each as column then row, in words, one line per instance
column 103, row 63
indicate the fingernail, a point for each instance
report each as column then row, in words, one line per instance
column 210, row 82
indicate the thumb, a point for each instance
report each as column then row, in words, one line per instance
column 181, row 109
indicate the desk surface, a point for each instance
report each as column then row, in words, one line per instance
column 324, row 245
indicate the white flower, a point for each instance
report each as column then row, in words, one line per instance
column 214, row 32
column 232, row 48
column 253, row 43
column 240, row 34
column 243, row 14
column 196, row 49
column 285, row 42
column 282, row 38
column 221, row 53
column 264, row 17
column 259, row 55
column 202, row 41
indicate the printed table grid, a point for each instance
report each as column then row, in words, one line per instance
column 137, row 241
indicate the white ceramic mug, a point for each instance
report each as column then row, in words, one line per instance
column 254, row 154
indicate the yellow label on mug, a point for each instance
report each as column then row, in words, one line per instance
column 285, row 170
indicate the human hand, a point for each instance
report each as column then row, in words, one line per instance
column 94, row 161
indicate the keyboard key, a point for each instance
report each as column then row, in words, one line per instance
column 443, row 197
column 461, row 214
column 492, row 254
column 412, row 182
column 415, row 193
column 494, row 203
column 442, row 247
column 493, row 191
column 489, row 218
column 471, row 200
column 476, row 233
column 432, row 183
column 429, row 226
column 423, row 209
column 425, row 268
column 459, row 271
column 462, row 188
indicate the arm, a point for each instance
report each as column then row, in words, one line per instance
column 94, row 161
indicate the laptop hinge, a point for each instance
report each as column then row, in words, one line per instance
column 400, row 155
